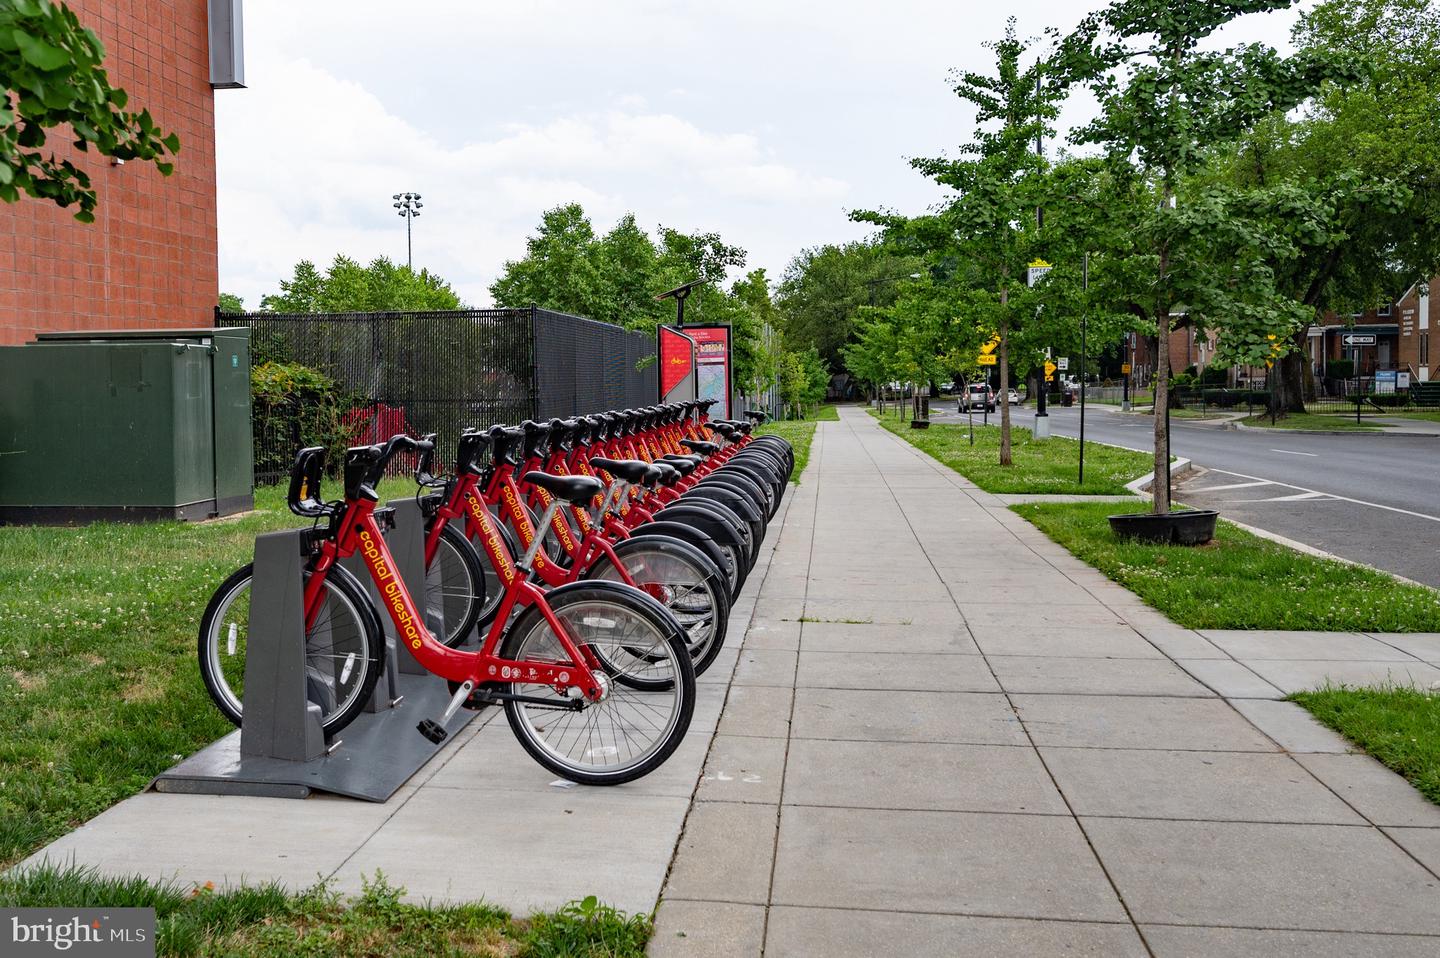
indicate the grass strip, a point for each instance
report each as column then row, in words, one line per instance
column 1044, row 467
column 1400, row 726
column 100, row 689
column 1314, row 422
column 1238, row 581
column 266, row 921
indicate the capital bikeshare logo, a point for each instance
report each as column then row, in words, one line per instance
column 390, row 588
column 109, row 932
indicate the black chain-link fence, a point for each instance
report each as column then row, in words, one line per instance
column 1355, row 397
column 584, row 366
column 441, row 372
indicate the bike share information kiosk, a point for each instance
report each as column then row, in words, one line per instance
column 280, row 751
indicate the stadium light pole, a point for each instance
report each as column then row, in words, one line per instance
column 408, row 205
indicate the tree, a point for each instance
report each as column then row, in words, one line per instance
column 348, row 287
column 561, row 269
column 230, row 303
column 824, row 289
column 755, row 323
column 52, row 77
column 614, row 278
column 1362, row 161
column 1163, row 103
column 979, row 242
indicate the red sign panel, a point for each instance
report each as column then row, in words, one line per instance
column 677, row 359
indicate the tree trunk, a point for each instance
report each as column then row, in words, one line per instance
column 1005, row 452
column 1291, row 384
column 1160, row 482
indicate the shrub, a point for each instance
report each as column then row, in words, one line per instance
column 295, row 406
column 1340, row 369
column 1214, row 376
column 1224, row 398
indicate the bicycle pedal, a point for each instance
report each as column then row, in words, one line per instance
column 432, row 730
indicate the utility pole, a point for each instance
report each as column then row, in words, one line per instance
column 408, row 205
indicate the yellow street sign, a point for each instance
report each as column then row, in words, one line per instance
column 1039, row 264
column 1125, row 368
column 1050, row 369
column 990, row 347
column 988, row 360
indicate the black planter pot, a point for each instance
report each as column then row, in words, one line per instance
column 1188, row 527
column 919, row 424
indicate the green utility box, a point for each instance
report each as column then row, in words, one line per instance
column 126, row 425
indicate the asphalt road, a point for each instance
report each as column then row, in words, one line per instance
column 1372, row 498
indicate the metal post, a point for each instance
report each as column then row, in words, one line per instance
column 1083, row 313
column 409, row 248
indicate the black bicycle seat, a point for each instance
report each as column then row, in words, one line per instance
column 627, row 470
column 573, row 489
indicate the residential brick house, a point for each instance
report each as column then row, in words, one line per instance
column 1393, row 337
column 149, row 260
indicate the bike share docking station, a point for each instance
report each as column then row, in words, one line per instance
column 280, row 751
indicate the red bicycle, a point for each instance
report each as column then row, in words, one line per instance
column 672, row 571
column 595, row 677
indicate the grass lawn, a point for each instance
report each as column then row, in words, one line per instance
column 1310, row 421
column 99, row 686
column 799, row 433
column 269, row 922
column 1238, row 581
column 1048, row 466
column 1427, row 415
column 1399, row 726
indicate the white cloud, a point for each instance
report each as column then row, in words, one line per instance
column 308, row 160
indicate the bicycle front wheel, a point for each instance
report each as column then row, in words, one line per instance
column 344, row 648
column 455, row 585
column 680, row 578
column 635, row 726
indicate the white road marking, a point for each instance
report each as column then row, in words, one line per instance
column 1358, row 502
column 1234, row 485
column 1301, row 495
column 1291, row 452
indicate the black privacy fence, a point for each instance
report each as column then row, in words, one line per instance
column 338, row 379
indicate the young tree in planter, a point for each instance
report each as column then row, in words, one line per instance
column 986, row 233
column 1163, row 102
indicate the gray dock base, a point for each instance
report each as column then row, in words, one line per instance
column 374, row 755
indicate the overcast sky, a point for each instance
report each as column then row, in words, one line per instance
column 763, row 120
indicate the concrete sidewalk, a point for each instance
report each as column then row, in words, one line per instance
column 947, row 736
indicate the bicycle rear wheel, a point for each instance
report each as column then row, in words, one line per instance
column 344, row 648
column 632, row 730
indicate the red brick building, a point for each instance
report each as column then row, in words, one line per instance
column 149, row 259
column 1395, row 336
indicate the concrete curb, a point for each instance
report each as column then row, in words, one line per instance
column 1141, row 486
column 1377, row 431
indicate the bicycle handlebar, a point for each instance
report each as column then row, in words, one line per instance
column 365, row 465
column 425, row 462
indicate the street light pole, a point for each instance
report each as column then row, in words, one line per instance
column 408, row 205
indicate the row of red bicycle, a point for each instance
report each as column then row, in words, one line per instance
column 579, row 573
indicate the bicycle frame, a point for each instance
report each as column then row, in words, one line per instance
column 358, row 530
